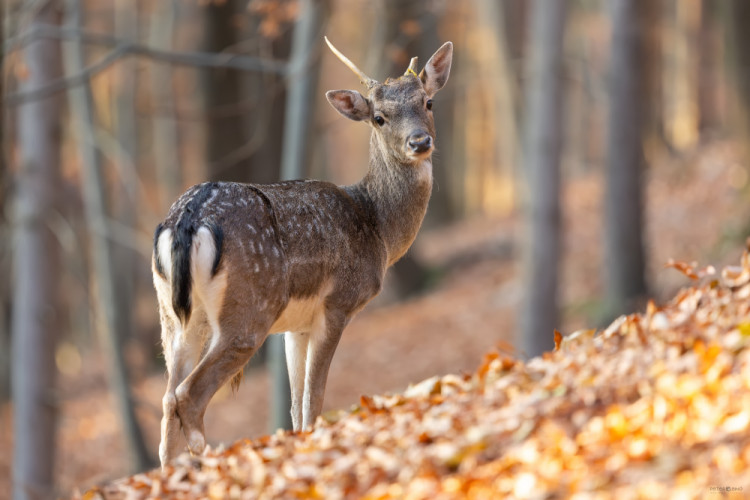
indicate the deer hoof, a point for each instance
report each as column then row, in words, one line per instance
column 196, row 442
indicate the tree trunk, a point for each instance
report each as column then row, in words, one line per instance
column 265, row 95
column 411, row 30
column 304, row 67
column 125, row 200
column 5, row 247
column 680, row 95
column 736, row 19
column 224, row 130
column 36, row 256
column 623, row 202
column 104, row 274
column 542, row 145
column 165, row 145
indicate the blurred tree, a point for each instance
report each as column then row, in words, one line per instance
column 222, row 91
column 499, row 181
column 736, row 18
column 245, row 111
column 126, row 159
column 681, row 73
column 624, row 258
column 5, row 240
column 165, row 142
column 264, row 98
column 36, row 264
column 104, row 273
column 710, row 104
column 541, row 154
column 409, row 28
column 302, row 78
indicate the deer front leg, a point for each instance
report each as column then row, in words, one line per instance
column 295, row 347
column 227, row 354
column 322, row 345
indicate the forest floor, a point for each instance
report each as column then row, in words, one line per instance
column 696, row 209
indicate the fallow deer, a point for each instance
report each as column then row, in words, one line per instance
column 234, row 262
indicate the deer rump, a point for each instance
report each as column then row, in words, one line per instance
column 274, row 285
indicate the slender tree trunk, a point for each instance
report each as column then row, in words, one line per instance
column 224, row 129
column 410, row 29
column 104, row 274
column 5, row 240
column 682, row 75
column 126, row 131
column 165, row 138
column 542, row 145
column 624, row 252
column 500, row 192
column 265, row 97
column 736, row 18
column 302, row 80
column 36, row 257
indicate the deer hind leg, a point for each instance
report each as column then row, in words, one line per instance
column 229, row 350
column 295, row 347
column 321, row 347
column 182, row 350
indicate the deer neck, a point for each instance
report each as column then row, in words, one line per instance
column 396, row 195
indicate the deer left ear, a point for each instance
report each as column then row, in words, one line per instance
column 436, row 71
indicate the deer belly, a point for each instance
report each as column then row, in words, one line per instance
column 301, row 315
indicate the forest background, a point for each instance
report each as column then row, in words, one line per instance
column 580, row 146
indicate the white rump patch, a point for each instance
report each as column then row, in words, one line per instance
column 203, row 253
column 164, row 252
column 207, row 288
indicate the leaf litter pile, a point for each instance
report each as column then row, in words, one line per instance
column 657, row 405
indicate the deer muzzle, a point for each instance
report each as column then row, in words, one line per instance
column 419, row 143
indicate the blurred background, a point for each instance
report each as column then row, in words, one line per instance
column 580, row 146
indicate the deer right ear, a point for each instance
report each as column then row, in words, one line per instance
column 349, row 103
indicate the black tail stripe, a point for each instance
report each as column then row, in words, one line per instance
column 218, row 234
column 181, row 244
column 157, row 258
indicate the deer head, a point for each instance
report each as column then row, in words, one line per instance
column 399, row 110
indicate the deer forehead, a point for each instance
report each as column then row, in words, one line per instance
column 404, row 91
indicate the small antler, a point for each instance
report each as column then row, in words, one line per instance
column 363, row 78
column 412, row 67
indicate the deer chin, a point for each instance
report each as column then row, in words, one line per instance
column 416, row 158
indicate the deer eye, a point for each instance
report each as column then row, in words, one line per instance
column 429, row 104
column 379, row 120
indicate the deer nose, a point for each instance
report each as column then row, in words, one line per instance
column 419, row 142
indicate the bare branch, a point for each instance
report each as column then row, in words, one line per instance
column 122, row 48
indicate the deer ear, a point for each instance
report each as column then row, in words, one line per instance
column 349, row 103
column 436, row 71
